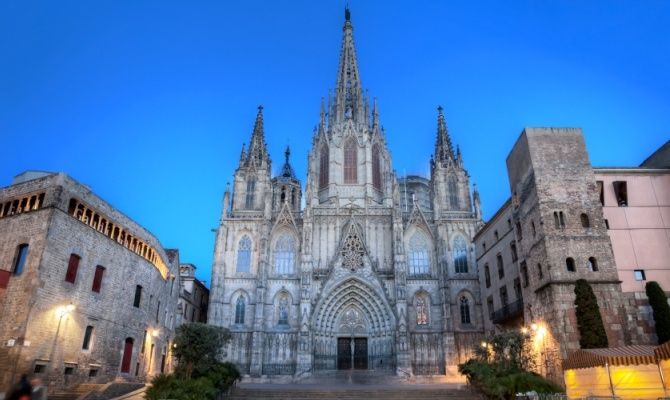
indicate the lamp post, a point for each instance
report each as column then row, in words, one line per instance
column 61, row 311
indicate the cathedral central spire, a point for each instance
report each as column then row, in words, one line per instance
column 348, row 102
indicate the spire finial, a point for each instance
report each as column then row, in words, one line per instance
column 287, row 153
column 347, row 13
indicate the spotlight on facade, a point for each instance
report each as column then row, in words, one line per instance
column 524, row 330
column 533, row 327
column 155, row 332
column 64, row 310
column 485, row 345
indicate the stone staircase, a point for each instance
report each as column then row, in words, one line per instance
column 75, row 392
column 404, row 392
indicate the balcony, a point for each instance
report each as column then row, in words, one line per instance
column 508, row 312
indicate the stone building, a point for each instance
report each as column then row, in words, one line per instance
column 567, row 220
column 375, row 272
column 86, row 294
column 193, row 296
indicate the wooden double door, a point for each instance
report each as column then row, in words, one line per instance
column 345, row 358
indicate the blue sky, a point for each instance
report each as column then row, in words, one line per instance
column 149, row 102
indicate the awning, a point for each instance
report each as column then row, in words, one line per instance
column 628, row 355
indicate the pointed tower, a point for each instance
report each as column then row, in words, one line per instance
column 451, row 182
column 286, row 187
column 348, row 101
column 252, row 178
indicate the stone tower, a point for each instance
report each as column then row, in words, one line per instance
column 561, row 237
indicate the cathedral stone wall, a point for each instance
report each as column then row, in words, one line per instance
column 375, row 272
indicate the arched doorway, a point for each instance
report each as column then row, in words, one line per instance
column 127, row 355
column 353, row 328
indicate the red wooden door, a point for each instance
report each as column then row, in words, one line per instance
column 127, row 355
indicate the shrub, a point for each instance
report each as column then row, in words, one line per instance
column 197, row 346
column 171, row 387
column 223, row 375
column 659, row 304
column 499, row 381
column 592, row 333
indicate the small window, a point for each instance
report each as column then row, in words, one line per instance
column 532, row 228
column 621, row 193
column 517, row 288
column 97, row 278
column 39, row 369
column 68, row 371
column 524, row 273
column 20, row 260
column 561, row 217
column 87, row 338
column 501, row 267
column 484, row 246
column 239, row 310
column 601, row 192
column 515, row 256
column 519, row 233
column 158, row 310
column 593, row 264
column 540, row 274
column 465, row 310
column 489, row 306
column 570, row 264
column 495, row 233
column 607, row 224
column 585, row 220
column 138, row 296
column 503, row 296
column 250, row 195
column 640, row 275
column 487, row 275
column 72, row 266
column 93, row 372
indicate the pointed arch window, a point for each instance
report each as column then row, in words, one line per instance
column 324, row 162
column 244, row 254
column 282, row 310
column 350, row 162
column 421, row 310
column 460, row 255
column 419, row 263
column 251, row 191
column 284, row 254
column 376, row 168
column 240, row 306
column 465, row 310
column 453, row 193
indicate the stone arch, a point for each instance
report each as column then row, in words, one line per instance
column 353, row 294
column 465, row 294
column 282, row 298
column 421, row 299
column 413, row 236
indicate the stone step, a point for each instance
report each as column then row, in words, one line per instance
column 75, row 392
column 352, row 394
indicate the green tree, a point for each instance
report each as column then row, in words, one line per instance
column 592, row 333
column 197, row 346
column 659, row 304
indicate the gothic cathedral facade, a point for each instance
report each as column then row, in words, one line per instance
column 374, row 272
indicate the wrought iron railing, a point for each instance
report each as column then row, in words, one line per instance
column 279, row 369
column 427, row 369
column 508, row 311
column 325, row 362
column 381, row 362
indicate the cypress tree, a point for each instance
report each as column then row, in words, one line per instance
column 589, row 321
column 659, row 304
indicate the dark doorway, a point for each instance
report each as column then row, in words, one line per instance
column 360, row 353
column 127, row 354
column 360, row 356
column 343, row 353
